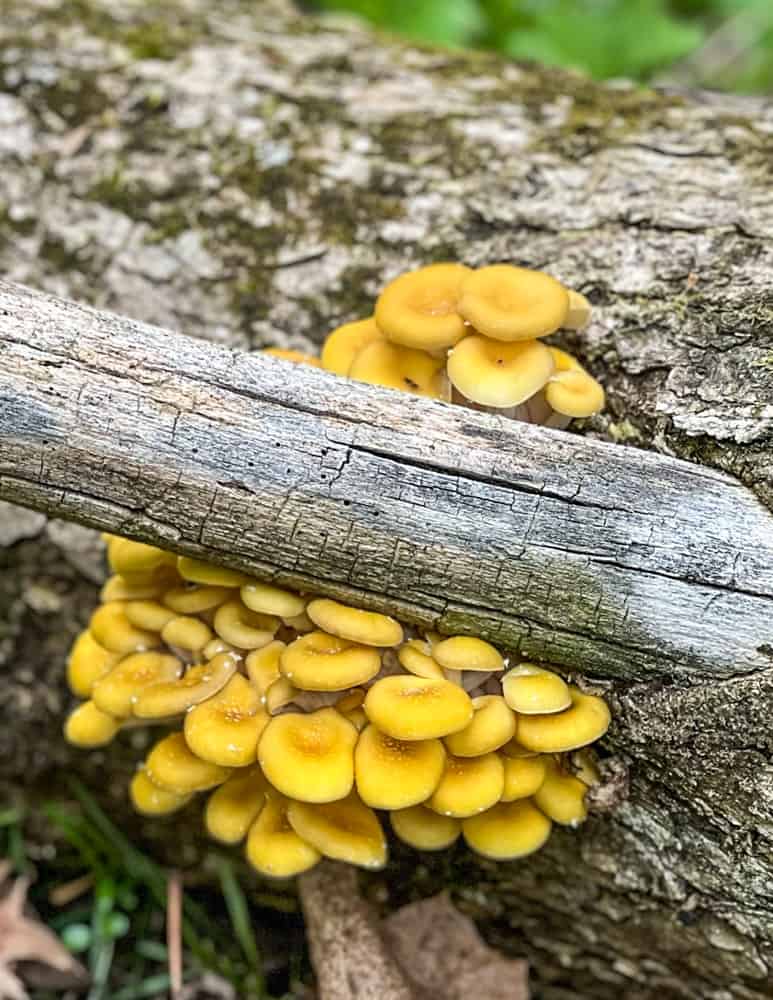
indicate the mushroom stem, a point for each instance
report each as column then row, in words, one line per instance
column 350, row 957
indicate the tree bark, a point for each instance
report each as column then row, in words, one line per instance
column 250, row 177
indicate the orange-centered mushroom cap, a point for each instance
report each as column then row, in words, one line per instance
column 531, row 690
column 419, row 309
column 491, row 727
column 513, row 303
column 225, row 728
column 309, row 757
column 424, row 829
column 507, row 830
column 499, row 375
column 274, row 848
column 463, row 652
column 584, row 722
column 417, row 708
column 367, row 627
column 346, row 830
column 323, row 662
column 395, row 774
column 403, row 368
column 469, row 785
column 344, row 344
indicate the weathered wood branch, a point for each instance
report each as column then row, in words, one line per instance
column 567, row 549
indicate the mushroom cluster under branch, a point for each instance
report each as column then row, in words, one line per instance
column 472, row 337
column 303, row 717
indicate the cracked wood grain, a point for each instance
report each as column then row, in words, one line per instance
column 561, row 548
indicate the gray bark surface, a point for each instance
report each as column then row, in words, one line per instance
column 244, row 176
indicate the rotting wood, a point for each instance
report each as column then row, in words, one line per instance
column 562, row 548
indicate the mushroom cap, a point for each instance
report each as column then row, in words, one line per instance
column 499, row 375
column 151, row 800
column 216, row 646
column 192, row 598
column 513, row 303
column 88, row 727
column 280, row 693
column 225, row 728
column 492, row 725
column 366, row 627
column 198, row 571
column 531, row 690
column 350, row 706
column 116, row 692
column 233, row 807
column 561, row 796
column 395, row 774
column 263, row 666
column 564, row 361
column 402, row 368
column 507, row 830
column 167, row 698
column 586, row 720
column 424, row 829
column 244, row 628
column 346, row 830
column 419, row 309
column 417, row 708
column 463, row 652
column 148, row 614
column 120, row 588
column 267, row 599
column 87, row 662
column 344, row 344
column 319, row 661
column 129, row 558
column 172, row 765
column 575, row 393
column 273, row 847
column 469, row 785
column 113, row 631
column 415, row 656
column 578, row 316
column 297, row 357
column 187, row 632
column 523, row 776
column 309, row 757
column 299, row 623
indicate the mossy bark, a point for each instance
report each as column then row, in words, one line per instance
column 253, row 177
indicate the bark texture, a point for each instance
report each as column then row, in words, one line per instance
column 246, row 176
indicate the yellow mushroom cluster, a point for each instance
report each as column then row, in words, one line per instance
column 473, row 337
column 303, row 717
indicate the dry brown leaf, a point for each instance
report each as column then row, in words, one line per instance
column 444, row 956
column 25, row 939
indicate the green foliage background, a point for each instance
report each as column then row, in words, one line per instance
column 725, row 44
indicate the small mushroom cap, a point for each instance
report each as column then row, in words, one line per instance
column 192, row 599
column 299, row 623
column 89, row 727
column 273, row 847
column 187, row 632
column 523, row 776
column 415, row 656
column 531, row 690
column 240, row 626
column 279, row 694
column 564, row 361
column 575, row 394
column 424, row 829
column 168, row 698
column 297, row 357
column 492, row 725
column 419, row 309
column 225, row 728
column 513, row 303
column 499, row 375
column 578, row 316
column 129, row 558
column 216, row 646
column 417, row 708
column 172, row 765
column 150, row 800
column 198, row 571
column 367, row 627
column 87, row 662
column 114, row 632
column 234, row 806
column 516, row 751
column 346, row 830
column 323, row 662
column 309, row 757
column 586, row 720
column 119, row 588
column 469, row 785
column 507, row 830
column 463, row 652
column 263, row 666
column 116, row 692
column 402, row 368
column 394, row 774
column 344, row 344
column 267, row 599
column 561, row 796
column 149, row 614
